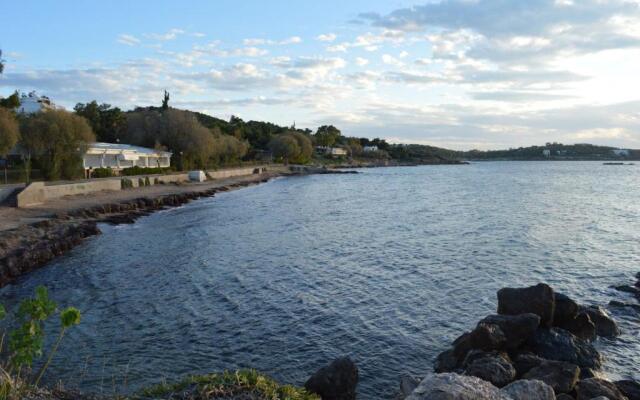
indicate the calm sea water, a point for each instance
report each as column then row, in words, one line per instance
column 387, row 266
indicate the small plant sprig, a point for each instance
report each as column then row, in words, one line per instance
column 26, row 342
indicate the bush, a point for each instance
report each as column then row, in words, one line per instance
column 126, row 183
column 140, row 182
column 147, row 182
column 132, row 171
column 102, row 173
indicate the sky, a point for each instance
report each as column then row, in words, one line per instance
column 461, row 74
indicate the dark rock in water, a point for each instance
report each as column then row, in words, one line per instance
column 561, row 376
column 487, row 337
column 446, row 362
column 529, row 390
column 456, row 387
column 581, row 326
column 629, row 388
column 605, row 325
column 525, row 362
column 336, row 381
column 492, row 367
column 564, row 396
column 591, row 388
column 627, row 289
column 407, row 385
column 517, row 329
column 537, row 299
column 560, row 345
column 566, row 309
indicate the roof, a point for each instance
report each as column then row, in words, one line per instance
column 119, row 147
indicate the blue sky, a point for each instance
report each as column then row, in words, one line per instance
column 455, row 73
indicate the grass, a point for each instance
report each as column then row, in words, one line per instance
column 244, row 384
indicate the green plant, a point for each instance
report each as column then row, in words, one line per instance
column 132, row 171
column 147, row 182
column 102, row 173
column 141, row 182
column 26, row 341
column 126, row 183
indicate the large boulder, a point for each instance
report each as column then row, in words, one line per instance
column 492, row 367
column 517, row 329
column 560, row 345
column 581, row 326
column 539, row 300
column 336, row 381
column 407, row 385
column 446, row 361
column 591, row 388
column 561, row 376
column 605, row 325
column 566, row 309
column 484, row 337
column 524, row 362
column 629, row 388
column 529, row 390
column 456, row 387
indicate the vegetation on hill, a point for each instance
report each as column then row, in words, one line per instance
column 557, row 151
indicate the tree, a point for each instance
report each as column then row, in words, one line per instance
column 292, row 147
column 327, row 135
column 165, row 101
column 108, row 123
column 12, row 102
column 2, row 61
column 9, row 131
column 57, row 139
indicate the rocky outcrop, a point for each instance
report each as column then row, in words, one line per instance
column 604, row 324
column 492, row 367
column 629, row 388
column 449, row 386
column 560, row 345
column 529, row 390
column 561, row 376
column 336, row 381
column 539, row 300
column 592, row 388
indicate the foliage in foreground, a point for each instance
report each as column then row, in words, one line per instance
column 26, row 342
column 246, row 383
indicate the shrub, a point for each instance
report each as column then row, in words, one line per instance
column 140, row 182
column 132, row 171
column 147, row 182
column 102, row 173
column 126, row 183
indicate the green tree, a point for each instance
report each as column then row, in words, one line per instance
column 9, row 131
column 57, row 138
column 108, row 123
column 327, row 135
column 292, row 146
column 12, row 102
column 2, row 61
column 165, row 101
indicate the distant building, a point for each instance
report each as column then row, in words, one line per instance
column 621, row 152
column 121, row 156
column 332, row 151
column 368, row 149
column 32, row 103
column 546, row 153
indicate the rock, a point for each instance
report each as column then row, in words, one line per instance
column 564, row 396
column 561, row 376
column 590, row 388
column 529, row 390
column 517, row 329
column 620, row 304
column 566, row 309
column 581, row 326
column 492, row 367
column 605, row 325
column 336, row 381
column 456, row 387
column 560, row 345
column 407, row 385
column 537, row 299
column 627, row 289
column 525, row 362
column 446, row 362
column 629, row 388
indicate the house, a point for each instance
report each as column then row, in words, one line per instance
column 546, row 153
column 621, row 152
column 32, row 103
column 331, row 151
column 369, row 149
column 121, row 156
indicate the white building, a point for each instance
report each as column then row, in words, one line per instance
column 369, row 149
column 32, row 103
column 621, row 152
column 332, row 151
column 121, row 156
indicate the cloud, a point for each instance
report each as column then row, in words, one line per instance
column 269, row 42
column 172, row 34
column 128, row 40
column 361, row 61
column 328, row 37
column 390, row 60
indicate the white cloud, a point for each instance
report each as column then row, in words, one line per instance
column 128, row 40
column 390, row 60
column 169, row 35
column 361, row 61
column 269, row 42
column 328, row 37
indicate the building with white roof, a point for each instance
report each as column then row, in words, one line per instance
column 120, row 156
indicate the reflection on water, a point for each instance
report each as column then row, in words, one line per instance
column 388, row 266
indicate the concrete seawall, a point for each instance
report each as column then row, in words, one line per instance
column 37, row 193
